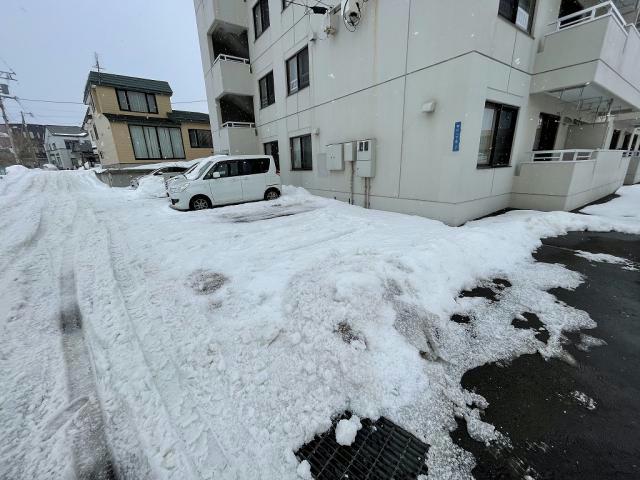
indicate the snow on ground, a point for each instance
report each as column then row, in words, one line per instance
column 223, row 340
column 626, row 206
column 151, row 187
column 346, row 430
column 606, row 258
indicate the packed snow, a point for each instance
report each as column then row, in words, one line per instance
column 626, row 206
column 346, row 430
column 606, row 258
column 221, row 341
column 151, row 186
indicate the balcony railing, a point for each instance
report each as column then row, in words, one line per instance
column 589, row 14
column 230, row 58
column 561, row 155
column 238, row 125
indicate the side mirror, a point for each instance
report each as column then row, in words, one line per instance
column 215, row 175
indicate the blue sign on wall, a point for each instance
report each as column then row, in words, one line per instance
column 456, row 136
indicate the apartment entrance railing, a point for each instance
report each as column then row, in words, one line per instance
column 561, row 155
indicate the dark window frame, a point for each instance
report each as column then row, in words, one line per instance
column 499, row 108
column 265, row 22
column 271, row 93
column 128, row 106
column 269, row 151
column 300, row 85
column 155, row 128
column 615, row 139
column 512, row 14
column 303, row 159
column 197, row 132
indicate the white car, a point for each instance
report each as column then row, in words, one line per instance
column 226, row 180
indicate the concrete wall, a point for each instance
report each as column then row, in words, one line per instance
column 633, row 172
column 568, row 185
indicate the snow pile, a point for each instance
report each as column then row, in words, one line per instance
column 17, row 170
column 223, row 340
column 346, row 430
column 151, row 186
column 626, row 206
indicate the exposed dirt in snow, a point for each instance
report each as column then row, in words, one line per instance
column 218, row 341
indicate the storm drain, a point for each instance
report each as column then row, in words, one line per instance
column 381, row 450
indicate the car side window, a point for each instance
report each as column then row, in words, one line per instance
column 234, row 168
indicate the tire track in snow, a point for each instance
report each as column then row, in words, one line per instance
column 159, row 360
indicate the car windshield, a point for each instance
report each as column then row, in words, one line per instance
column 194, row 173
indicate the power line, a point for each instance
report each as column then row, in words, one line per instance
column 49, row 101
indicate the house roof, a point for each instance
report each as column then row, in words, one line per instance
column 184, row 116
column 139, row 120
column 66, row 130
column 131, row 83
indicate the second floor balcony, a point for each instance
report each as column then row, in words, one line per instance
column 591, row 56
column 230, row 75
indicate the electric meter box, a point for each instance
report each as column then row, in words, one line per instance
column 335, row 159
column 350, row 152
column 365, row 159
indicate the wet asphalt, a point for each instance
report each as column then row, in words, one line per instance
column 533, row 402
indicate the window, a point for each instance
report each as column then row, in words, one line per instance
column 634, row 143
column 496, row 135
column 131, row 101
column 260, row 17
column 156, row 142
column 625, row 141
column 200, row 138
column 301, row 153
column 546, row 132
column 267, row 91
column 298, row 71
column 272, row 149
column 614, row 140
column 518, row 12
column 254, row 166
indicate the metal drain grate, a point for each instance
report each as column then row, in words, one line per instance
column 382, row 450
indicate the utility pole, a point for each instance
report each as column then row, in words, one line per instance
column 28, row 141
column 4, row 93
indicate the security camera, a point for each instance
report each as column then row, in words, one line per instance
column 352, row 11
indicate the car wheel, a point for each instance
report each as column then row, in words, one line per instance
column 271, row 194
column 200, row 203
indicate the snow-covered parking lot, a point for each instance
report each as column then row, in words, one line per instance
column 221, row 341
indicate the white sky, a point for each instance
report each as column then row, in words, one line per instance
column 50, row 45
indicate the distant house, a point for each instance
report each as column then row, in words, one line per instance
column 131, row 122
column 29, row 140
column 67, row 147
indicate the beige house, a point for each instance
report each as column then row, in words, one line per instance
column 131, row 122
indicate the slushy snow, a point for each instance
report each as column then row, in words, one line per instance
column 346, row 430
column 223, row 340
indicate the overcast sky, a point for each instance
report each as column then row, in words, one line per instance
column 50, row 45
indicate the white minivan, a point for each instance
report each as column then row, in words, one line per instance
column 226, row 180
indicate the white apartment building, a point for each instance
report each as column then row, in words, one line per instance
column 467, row 106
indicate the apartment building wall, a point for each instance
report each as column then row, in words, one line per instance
column 372, row 83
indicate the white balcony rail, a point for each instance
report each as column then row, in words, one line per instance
column 231, row 58
column 631, row 153
column 590, row 14
column 561, row 155
column 238, row 125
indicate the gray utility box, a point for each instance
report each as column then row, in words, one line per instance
column 365, row 158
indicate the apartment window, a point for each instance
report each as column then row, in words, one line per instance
column 301, row 153
column 200, row 138
column 130, row 101
column 546, row 132
column 260, row 17
column 298, row 71
column 267, row 90
column 496, row 136
column 615, row 138
column 518, row 12
column 272, row 148
column 156, row 143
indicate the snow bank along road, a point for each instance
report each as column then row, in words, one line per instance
column 221, row 341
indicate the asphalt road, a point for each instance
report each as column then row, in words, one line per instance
column 572, row 421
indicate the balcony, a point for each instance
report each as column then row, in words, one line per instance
column 231, row 75
column 590, row 58
column 211, row 12
column 236, row 138
column 567, row 179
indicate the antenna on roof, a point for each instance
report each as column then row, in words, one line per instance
column 97, row 66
